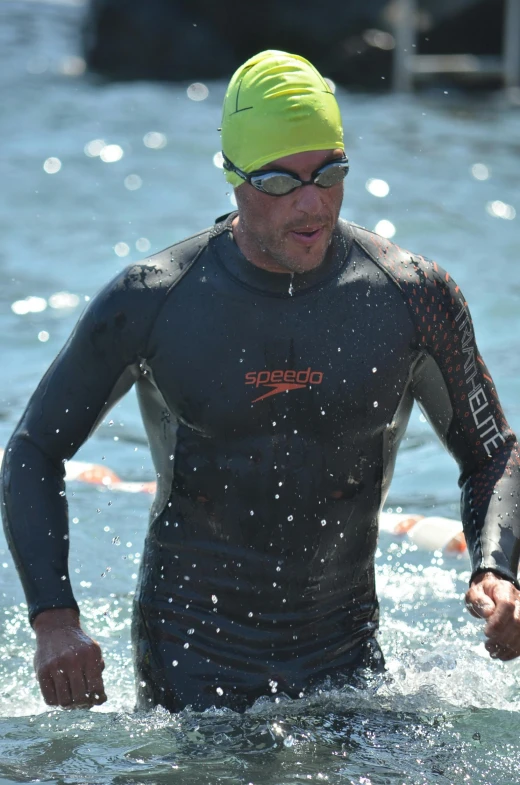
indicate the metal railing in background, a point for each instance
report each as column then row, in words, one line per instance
column 409, row 66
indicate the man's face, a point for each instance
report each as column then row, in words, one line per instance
column 289, row 233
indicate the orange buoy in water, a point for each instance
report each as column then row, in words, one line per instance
column 95, row 474
column 432, row 533
column 91, row 473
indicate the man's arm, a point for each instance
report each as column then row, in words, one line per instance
column 96, row 367
column 457, row 395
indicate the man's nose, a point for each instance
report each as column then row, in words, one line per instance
column 308, row 199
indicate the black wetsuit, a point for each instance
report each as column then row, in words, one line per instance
column 274, row 407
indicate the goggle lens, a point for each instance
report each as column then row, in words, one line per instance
column 275, row 184
column 332, row 174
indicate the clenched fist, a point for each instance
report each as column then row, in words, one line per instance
column 68, row 663
column 498, row 602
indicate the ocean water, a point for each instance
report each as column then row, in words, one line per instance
column 69, row 220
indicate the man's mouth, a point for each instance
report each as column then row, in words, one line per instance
column 307, row 235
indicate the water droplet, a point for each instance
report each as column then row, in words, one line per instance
column 385, row 228
column 376, row 187
column 251, row 512
column 93, row 148
column 52, row 165
column 121, row 249
column 186, row 645
column 323, row 522
column 290, row 517
column 175, row 663
column 191, row 631
column 480, row 171
column 374, row 370
column 133, row 182
column 111, row 153
column 376, row 404
column 197, row 91
column 143, row 244
column 154, row 140
column 220, row 691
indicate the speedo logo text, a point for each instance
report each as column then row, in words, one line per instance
column 282, row 381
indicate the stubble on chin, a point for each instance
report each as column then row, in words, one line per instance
column 298, row 261
column 276, row 246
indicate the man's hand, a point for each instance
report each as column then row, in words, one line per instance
column 498, row 601
column 67, row 662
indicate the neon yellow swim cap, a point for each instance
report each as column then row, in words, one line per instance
column 277, row 104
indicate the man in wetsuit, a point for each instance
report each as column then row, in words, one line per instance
column 276, row 358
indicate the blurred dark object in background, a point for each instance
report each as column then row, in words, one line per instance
column 349, row 41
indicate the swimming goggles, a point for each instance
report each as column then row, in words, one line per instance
column 280, row 183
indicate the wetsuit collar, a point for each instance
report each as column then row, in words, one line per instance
column 279, row 284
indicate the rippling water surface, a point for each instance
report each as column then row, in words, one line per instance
column 70, row 220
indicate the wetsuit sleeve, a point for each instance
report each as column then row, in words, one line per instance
column 458, row 396
column 95, row 368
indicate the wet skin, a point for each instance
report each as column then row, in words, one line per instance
column 291, row 233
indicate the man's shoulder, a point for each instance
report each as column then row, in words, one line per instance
column 402, row 265
column 142, row 286
column 428, row 289
column 182, row 252
column 162, row 269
